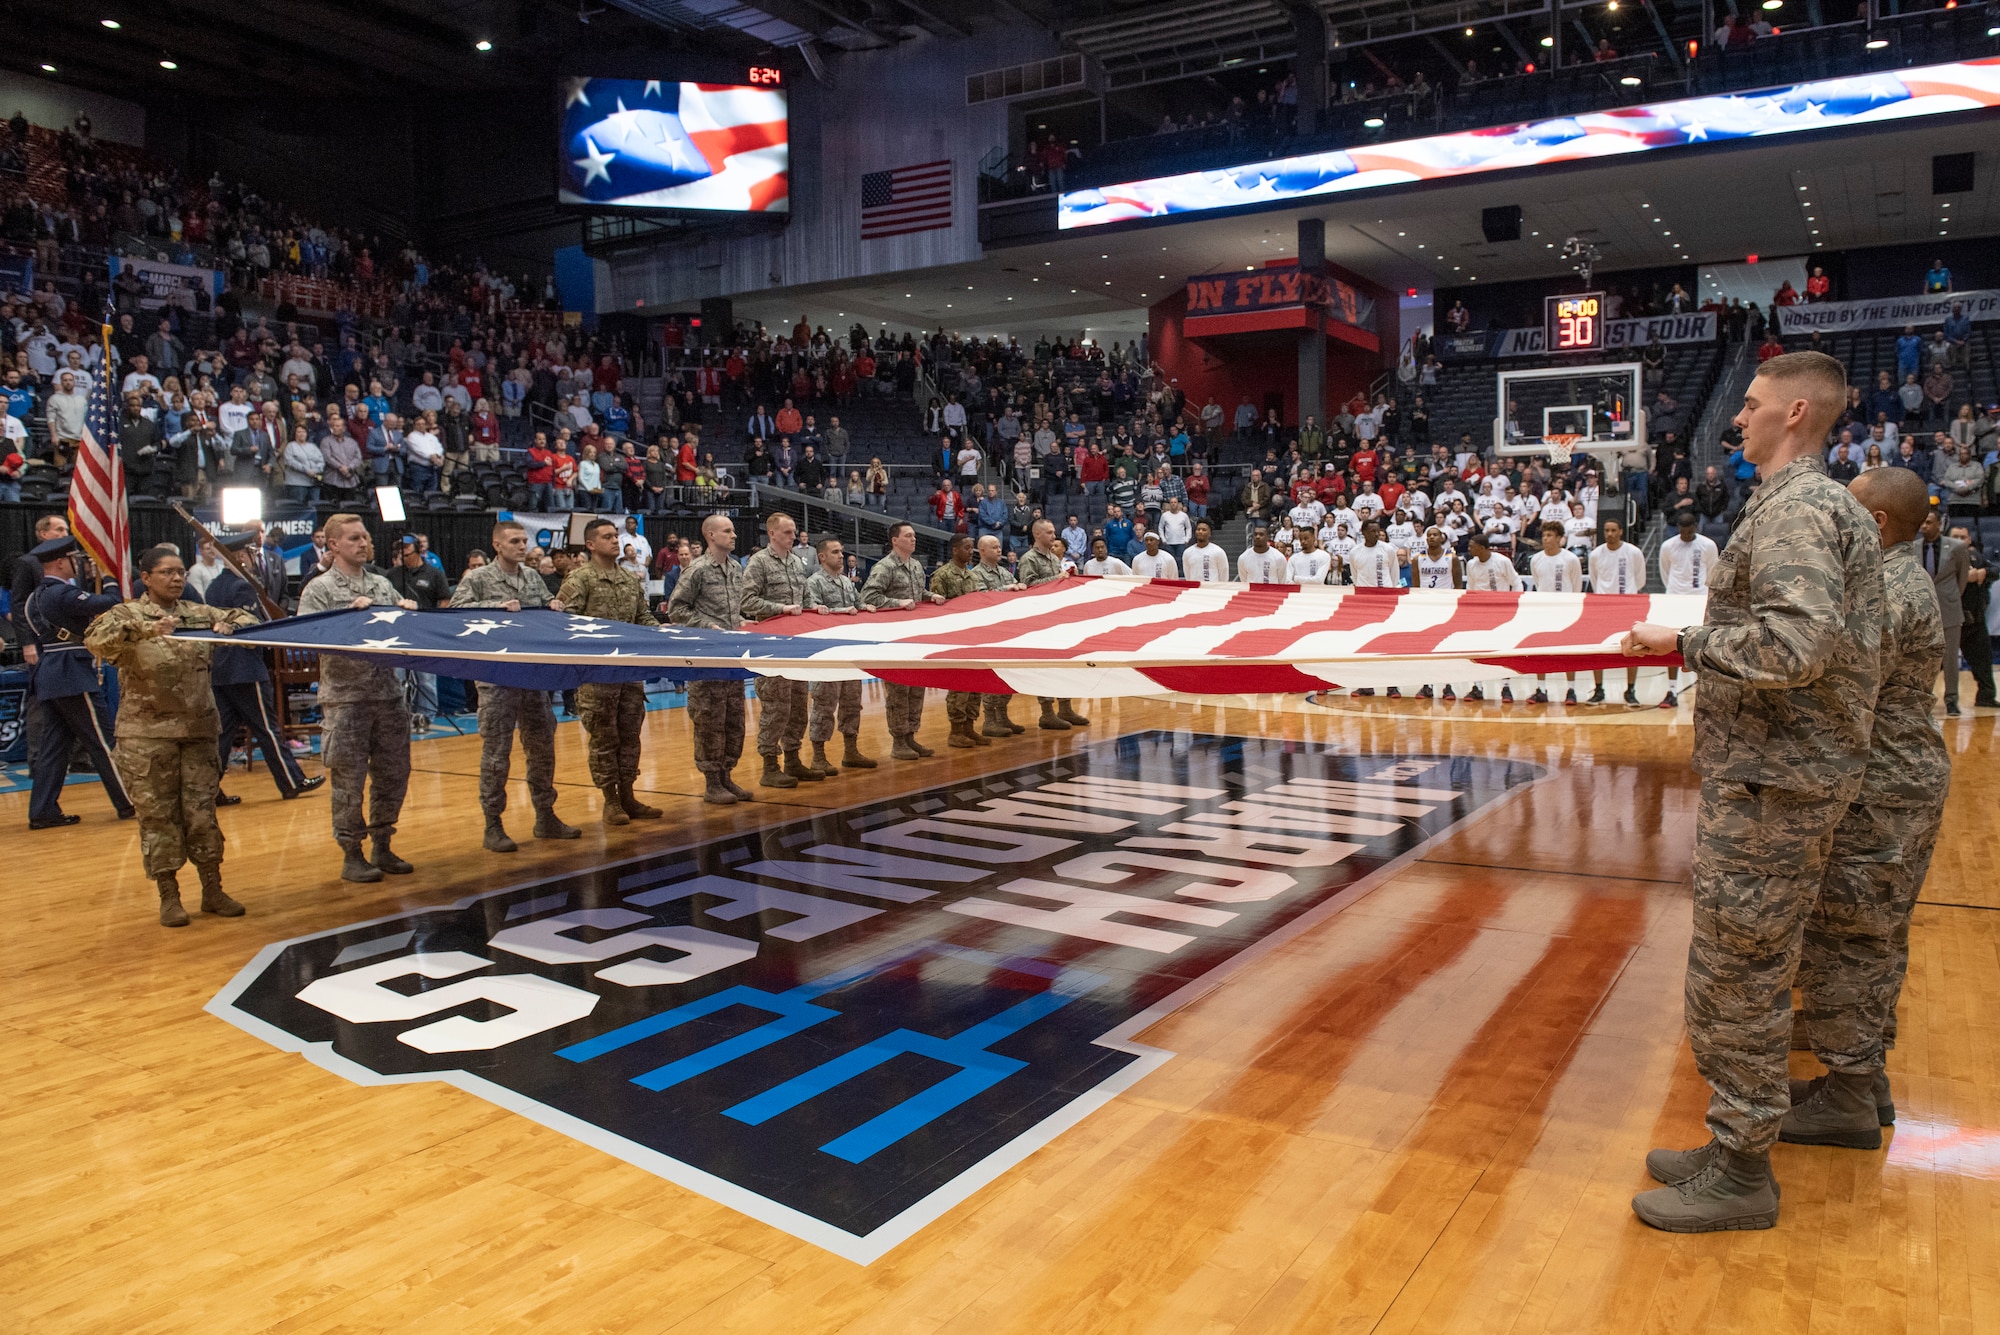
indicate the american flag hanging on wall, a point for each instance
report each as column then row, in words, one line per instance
column 906, row 199
column 97, row 510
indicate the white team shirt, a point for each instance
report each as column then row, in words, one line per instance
column 1578, row 532
column 1110, row 565
column 1404, row 538
column 1500, row 531
column 1457, row 523
column 1374, row 567
column 1492, row 575
column 1686, row 567
column 1156, row 567
column 1206, row 565
column 1285, row 537
column 1368, row 504
column 1339, row 546
column 1345, row 515
column 1561, row 573
column 1622, row 571
column 233, row 417
column 1309, row 567
column 1434, row 574
column 1589, row 496
column 1418, row 504
column 1554, row 510
column 1176, row 527
column 1268, row 567
column 1307, row 514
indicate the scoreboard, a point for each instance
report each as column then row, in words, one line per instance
column 1574, row 322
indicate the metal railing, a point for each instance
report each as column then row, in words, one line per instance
column 868, row 530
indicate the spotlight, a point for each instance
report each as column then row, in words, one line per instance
column 1373, row 122
column 482, row 45
column 1548, row 41
column 169, row 65
column 1876, row 43
column 1631, row 81
column 112, row 24
column 48, row 68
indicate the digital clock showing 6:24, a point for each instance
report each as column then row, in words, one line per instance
column 766, row 76
column 1575, row 322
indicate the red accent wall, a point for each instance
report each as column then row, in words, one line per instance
column 1261, row 364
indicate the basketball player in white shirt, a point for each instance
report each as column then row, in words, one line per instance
column 1339, row 544
column 1308, row 565
column 1261, row 563
column 1687, row 562
column 1616, row 566
column 1205, row 563
column 1436, row 567
column 1154, row 563
column 1486, row 573
column 1555, row 571
column 1102, row 562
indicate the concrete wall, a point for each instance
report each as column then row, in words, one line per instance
column 891, row 108
column 48, row 103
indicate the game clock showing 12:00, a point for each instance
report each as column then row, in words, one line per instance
column 1575, row 322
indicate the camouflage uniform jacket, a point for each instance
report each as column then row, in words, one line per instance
column 1908, row 765
column 954, row 581
column 1790, row 652
column 835, row 591
column 894, row 580
column 614, row 595
column 343, row 678
column 771, row 583
column 992, row 578
column 490, row 586
column 710, row 593
column 1039, row 567
column 164, row 687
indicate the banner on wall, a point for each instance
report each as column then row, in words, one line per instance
column 1488, row 344
column 1277, row 288
column 17, row 273
column 1836, row 317
column 169, row 284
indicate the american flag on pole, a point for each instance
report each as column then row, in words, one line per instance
column 906, row 199
column 97, row 511
column 1079, row 637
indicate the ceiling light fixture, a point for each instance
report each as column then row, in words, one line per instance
column 1774, row 4
column 169, row 65
column 1373, row 123
column 48, row 68
column 1548, row 41
column 1631, row 81
column 112, row 24
column 482, row 45
column 1876, row 43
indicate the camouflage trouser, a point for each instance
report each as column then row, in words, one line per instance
column 961, row 707
column 368, row 740
column 613, row 715
column 173, row 782
column 715, row 708
column 831, row 698
column 1760, row 856
column 1857, row 944
column 502, row 710
column 781, row 714
column 905, row 708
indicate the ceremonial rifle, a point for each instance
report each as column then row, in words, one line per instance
column 272, row 611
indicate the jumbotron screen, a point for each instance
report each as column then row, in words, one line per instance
column 661, row 144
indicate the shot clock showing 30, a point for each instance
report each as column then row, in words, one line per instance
column 1575, row 322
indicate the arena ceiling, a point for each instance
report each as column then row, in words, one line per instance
column 1773, row 199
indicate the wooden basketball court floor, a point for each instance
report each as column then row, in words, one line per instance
column 1426, row 1113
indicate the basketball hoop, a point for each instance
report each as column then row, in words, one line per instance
column 1560, row 446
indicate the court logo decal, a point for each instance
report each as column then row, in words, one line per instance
column 846, row 1024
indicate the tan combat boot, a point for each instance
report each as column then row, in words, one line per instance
column 213, row 899
column 798, row 768
column 850, row 753
column 1068, row 714
column 825, row 767
column 1050, row 719
column 497, row 840
column 774, row 775
column 171, row 912
column 634, row 808
column 614, row 809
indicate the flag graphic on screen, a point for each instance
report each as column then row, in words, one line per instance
column 907, row 199
column 655, row 143
column 97, row 513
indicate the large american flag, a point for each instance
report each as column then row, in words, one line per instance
column 97, row 508
column 906, row 199
column 1079, row 637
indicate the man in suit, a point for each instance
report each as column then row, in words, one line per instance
column 1973, row 638
column 1949, row 564
column 261, row 442
column 242, row 681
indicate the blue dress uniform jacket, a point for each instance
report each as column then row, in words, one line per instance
column 67, row 684
column 58, row 613
column 243, row 693
column 234, row 666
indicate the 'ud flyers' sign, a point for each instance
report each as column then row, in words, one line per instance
column 847, row 1024
column 1273, row 289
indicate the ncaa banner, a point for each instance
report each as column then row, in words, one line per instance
column 1695, row 327
column 848, row 1023
column 1833, row 317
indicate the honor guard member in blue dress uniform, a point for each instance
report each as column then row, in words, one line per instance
column 243, row 684
column 65, row 680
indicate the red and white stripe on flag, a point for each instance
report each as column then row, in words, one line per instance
column 98, row 514
column 906, row 199
column 1086, row 637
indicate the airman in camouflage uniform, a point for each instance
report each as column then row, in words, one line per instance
column 167, row 725
column 829, row 589
column 1789, row 659
column 364, row 719
column 508, row 585
column 1858, row 940
column 614, row 713
column 898, row 581
column 992, row 577
column 1040, row 564
column 774, row 585
column 710, row 593
column 954, row 579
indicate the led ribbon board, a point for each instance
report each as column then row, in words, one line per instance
column 845, row 1024
column 1826, row 104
